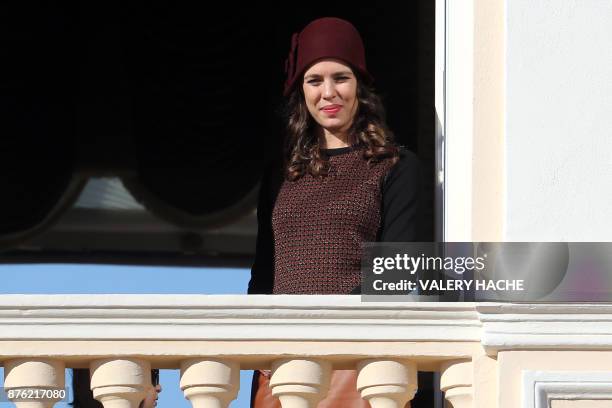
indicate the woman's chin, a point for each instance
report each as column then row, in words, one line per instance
column 333, row 125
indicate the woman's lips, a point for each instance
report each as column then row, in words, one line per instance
column 332, row 109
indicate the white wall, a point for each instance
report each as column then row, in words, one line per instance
column 558, row 120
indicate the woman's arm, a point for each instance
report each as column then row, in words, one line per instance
column 262, row 271
column 402, row 197
column 401, row 207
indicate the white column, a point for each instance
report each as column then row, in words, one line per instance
column 387, row 383
column 456, row 382
column 29, row 378
column 210, row 383
column 300, row 383
column 120, row 383
column 459, row 105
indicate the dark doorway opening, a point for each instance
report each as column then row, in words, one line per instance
column 180, row 102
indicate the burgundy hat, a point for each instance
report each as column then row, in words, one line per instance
column 326, row 37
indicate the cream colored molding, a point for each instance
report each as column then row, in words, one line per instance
column 545, row 326
column 337, row 318
column 229, row 317
column 541, row 387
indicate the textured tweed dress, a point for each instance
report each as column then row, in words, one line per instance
column 311, row 231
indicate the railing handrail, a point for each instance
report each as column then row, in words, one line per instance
column 292, row 318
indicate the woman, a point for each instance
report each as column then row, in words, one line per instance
column 343, row 182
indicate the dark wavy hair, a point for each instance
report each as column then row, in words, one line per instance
column 369, row 129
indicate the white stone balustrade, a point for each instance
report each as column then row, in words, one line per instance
column 210, row 383
column 120, row 383
column 488, row 355
column 387, row 383
column 33, row 380
column 456, row 382
column 300, row 383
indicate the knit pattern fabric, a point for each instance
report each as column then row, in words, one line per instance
column 320, row 224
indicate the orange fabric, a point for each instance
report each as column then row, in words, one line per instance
column 342, row 392
column 261, row 394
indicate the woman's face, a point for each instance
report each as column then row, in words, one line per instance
column 330, row 92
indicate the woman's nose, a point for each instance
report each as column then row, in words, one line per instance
column 329, row 89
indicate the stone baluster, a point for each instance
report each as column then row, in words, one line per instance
column 120, row 383
column 456, row 382
column 387, row 383
column 300, row 383
column 210, row 383
column 34, row 383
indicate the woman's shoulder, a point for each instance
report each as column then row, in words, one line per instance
column 272, row 178
column 406, row 155
column 407, row 166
